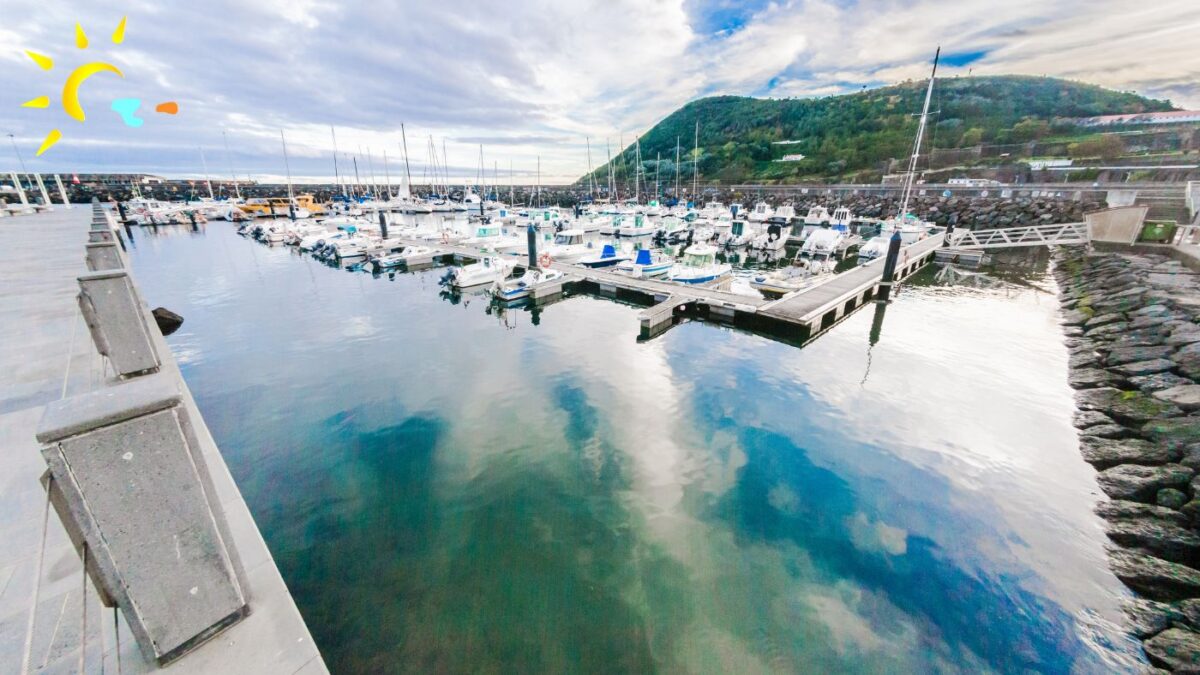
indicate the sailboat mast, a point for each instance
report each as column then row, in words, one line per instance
column 407, row 168
column 539, row 181
column 657, row 171
column 229, row 158
column 676, row 168
column 204, row 163
column 695, row 161
column 591, row 177
column 608, row 150
column 912, row 163
column 446, row 165
column 371, row 170
column 387, row 176
column 336, row 174
column 637, row 170
column 512, row 199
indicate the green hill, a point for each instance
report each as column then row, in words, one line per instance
column 853, row 136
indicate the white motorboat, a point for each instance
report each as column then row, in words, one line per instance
column 402, row 258
column 742, row 232
column 568, row 245
column 634, row 226
column 841, row 216
column 488, row 269
column 519, row 288
column 607, row 257
column 787, row 212
column 699, row 265
column 772, row 239
column 761, row 212
column 646, row 264
column 825, row 242
column 791, row 278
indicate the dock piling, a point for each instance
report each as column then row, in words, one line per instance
column 383, row 224
column 531, row 237
column 889, row 268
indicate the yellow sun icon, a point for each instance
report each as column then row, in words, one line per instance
column 70, row 90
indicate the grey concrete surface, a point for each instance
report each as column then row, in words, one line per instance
column 45, row 350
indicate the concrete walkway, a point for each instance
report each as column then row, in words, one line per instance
column 44, row 349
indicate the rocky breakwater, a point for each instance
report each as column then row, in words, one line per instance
column 1134, row 341
column 972, row 212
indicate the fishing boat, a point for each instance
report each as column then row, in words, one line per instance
column 402, row 258
column 741, row 233
column 791, row 278
column 607, row 257
column 826, row 242
column 771, row 240
column 712, row 210
column 646, row 264
column 841, row 216
column 761, row 212
column 787, row 212
column 635, row 226
column 567, row 245
column 520, row 288
column 488, row 270
column 699, row 265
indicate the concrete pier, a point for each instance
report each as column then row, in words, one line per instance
column 46, row 354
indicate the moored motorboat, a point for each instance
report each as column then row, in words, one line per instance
column 646, row 264
column 488, row 269
column 699, row 265
column 607, row 257
column 520, row 288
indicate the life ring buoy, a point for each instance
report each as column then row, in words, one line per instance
column 544, row 260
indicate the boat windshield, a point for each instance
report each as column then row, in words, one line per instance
column 698, row 259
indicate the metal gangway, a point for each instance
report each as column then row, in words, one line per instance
column 1058, row 234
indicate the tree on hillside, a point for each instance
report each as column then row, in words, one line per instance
column 971, row 137
column 1106, row 146
column 1030, row 129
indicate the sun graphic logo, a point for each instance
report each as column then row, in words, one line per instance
column 126, row 107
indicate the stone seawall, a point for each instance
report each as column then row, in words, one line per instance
column 1134, row 341
column 972, row 212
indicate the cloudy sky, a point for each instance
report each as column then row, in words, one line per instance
column 524, row 78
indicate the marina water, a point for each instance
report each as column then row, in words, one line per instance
column 447, row 486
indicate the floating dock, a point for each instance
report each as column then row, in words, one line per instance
column 797, row 316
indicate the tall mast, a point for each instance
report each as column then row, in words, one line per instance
column 695, row 161
column 608, row 151
column 357, row 180
column 286, row 165
column 371, row 170
column 204, row 163
column 591, row 178
column 446, row 165
column 657, row 171
column 512, row 199
column 539, row 183
column 912, row 162
column 677, row 168
column 229, row 158
column 336, row 175
column 387, row 176
column 637, row 170
column 407, row 168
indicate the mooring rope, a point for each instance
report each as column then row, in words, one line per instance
column 37, row 583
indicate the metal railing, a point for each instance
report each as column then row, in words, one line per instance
column 1059, row 234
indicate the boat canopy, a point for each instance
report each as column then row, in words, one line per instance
column 643, row 255
column 608, row 251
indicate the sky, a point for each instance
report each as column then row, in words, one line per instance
column 532, row 81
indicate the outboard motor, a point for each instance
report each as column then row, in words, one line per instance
column 774, row 232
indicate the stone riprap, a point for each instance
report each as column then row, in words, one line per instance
column 1130, row 322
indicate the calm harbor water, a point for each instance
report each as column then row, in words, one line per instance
column 448, row 488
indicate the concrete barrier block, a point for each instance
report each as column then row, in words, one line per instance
column 103, row 256
column 114, row 316
column 99, row 236
column 132, row 484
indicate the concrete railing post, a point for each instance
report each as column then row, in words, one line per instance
column 114, row 316
column 128, row 481
column 103, row 256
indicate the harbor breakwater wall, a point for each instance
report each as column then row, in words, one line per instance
column 971, row 212
column 1134, row 342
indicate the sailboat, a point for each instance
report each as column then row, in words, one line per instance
column 911, row 228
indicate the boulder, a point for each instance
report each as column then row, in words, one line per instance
column 1178, row 432
column 1183, row 337
column 1174, row 648
column 1125, row 406
column 1158, row 381
column 1105, row 431
column 1084, row 359
column 1141, row 483
column 1185, row 396
column 1147, row 321
column 1086, row 378
column 1103, row 319
column 1161, row 538
column 1190, row 609
column 1107, row 330
column 1154, row 578
column 1090, row 418
column 1191, row 511
column 1144, row 367
column 1147, row 617
column 1103, row 453
column 1171, row 498
column 1121, row 509
column 1076, row 318
column 1132, row 354
column 1188, row 363
column 1191, row 456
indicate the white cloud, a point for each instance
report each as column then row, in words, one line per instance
column 539, row 75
